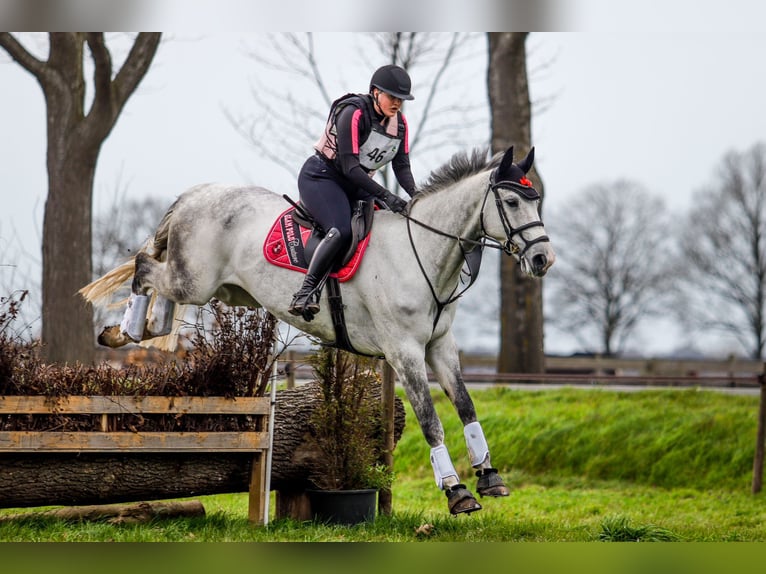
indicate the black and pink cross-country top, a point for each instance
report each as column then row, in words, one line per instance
column 358, row 141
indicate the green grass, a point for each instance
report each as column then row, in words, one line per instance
column 583, row 466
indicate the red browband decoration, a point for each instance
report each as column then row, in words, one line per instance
column 525, row 181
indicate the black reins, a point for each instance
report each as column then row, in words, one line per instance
column 472, row 257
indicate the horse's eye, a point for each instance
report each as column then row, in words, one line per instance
column 512, row 202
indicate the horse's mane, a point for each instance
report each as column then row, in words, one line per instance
column 458, row 167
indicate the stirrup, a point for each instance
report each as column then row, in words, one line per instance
column 460, row 499
column 305, row 304
column 490, row 483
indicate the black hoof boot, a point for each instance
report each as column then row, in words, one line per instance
column 490, row 483
column 460, row 499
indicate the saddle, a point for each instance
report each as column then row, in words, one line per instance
column 295, row 235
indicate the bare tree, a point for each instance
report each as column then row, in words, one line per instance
column 75, row 136
column 521, row 300
column 724, row 253
column 614, row 266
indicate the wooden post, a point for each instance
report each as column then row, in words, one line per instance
column 387, row 405
column 256, row 495
column 290, row 369
column 760, row 435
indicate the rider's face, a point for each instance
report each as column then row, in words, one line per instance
column 387, row 104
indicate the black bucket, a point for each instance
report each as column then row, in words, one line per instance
column 347, row 507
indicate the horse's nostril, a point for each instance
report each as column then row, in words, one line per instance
column 539, row 261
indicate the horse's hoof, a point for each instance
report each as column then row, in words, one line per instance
column 112, row 337
column 460, row 499
column 490, row 483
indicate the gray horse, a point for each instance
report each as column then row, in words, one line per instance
column 400, row 304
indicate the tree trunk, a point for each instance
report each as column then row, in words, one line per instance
column 72, row 479
column 67, row 331
column 74, row 141
column 521, row 306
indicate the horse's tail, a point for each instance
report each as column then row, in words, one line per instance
column 100, row 291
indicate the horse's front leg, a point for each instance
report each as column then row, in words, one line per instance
column 412, row 373
column 442, row 356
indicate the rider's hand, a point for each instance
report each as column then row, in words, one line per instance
column 394, row 202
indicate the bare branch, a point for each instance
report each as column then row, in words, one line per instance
column 21, row 55
column 136, row 65
column 454, row 43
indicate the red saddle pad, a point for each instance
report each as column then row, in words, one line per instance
column 285, row 247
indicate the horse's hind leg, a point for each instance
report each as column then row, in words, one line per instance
column 160, row 321
column 443, row 358
column 133, row 322
column 134, row 326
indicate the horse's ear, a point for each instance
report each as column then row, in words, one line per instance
column 526, row 164
column 506, row 162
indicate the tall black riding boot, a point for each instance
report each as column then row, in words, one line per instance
column 306, row 300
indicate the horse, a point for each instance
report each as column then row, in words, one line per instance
column 399, row 305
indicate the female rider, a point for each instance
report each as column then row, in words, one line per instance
column 364, row 132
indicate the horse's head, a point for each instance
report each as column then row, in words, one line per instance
column 516, row 221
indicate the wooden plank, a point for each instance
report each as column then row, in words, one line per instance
column 130, row 405
column 125, row 442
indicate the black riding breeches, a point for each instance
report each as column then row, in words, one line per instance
column 327, row 196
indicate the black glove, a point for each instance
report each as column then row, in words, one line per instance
column 393, row 202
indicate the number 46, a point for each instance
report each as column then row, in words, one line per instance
column 376, row 155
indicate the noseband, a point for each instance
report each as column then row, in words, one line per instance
column 509, row 247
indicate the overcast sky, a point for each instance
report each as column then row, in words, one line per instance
column 660, row 107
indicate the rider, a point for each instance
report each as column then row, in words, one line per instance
column 364, row 132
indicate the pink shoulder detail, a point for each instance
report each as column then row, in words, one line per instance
column 355, row 130
column 406, row 134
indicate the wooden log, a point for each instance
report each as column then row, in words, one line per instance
column 141, row 512
column 40, row 479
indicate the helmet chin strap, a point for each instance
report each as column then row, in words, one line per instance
column 375, row 96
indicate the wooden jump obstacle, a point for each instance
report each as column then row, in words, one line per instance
column 127, row 442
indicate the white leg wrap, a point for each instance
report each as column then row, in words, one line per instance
column 477, row 444
column 161, row 320
column 442, row 464
column 134, row 319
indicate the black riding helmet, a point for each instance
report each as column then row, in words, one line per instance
column 393, row 80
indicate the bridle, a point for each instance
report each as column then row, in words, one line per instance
column 472, row 256
column 509, row 247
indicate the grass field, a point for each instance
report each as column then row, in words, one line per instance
column 584, row 466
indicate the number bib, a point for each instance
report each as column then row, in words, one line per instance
column 379, row 149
